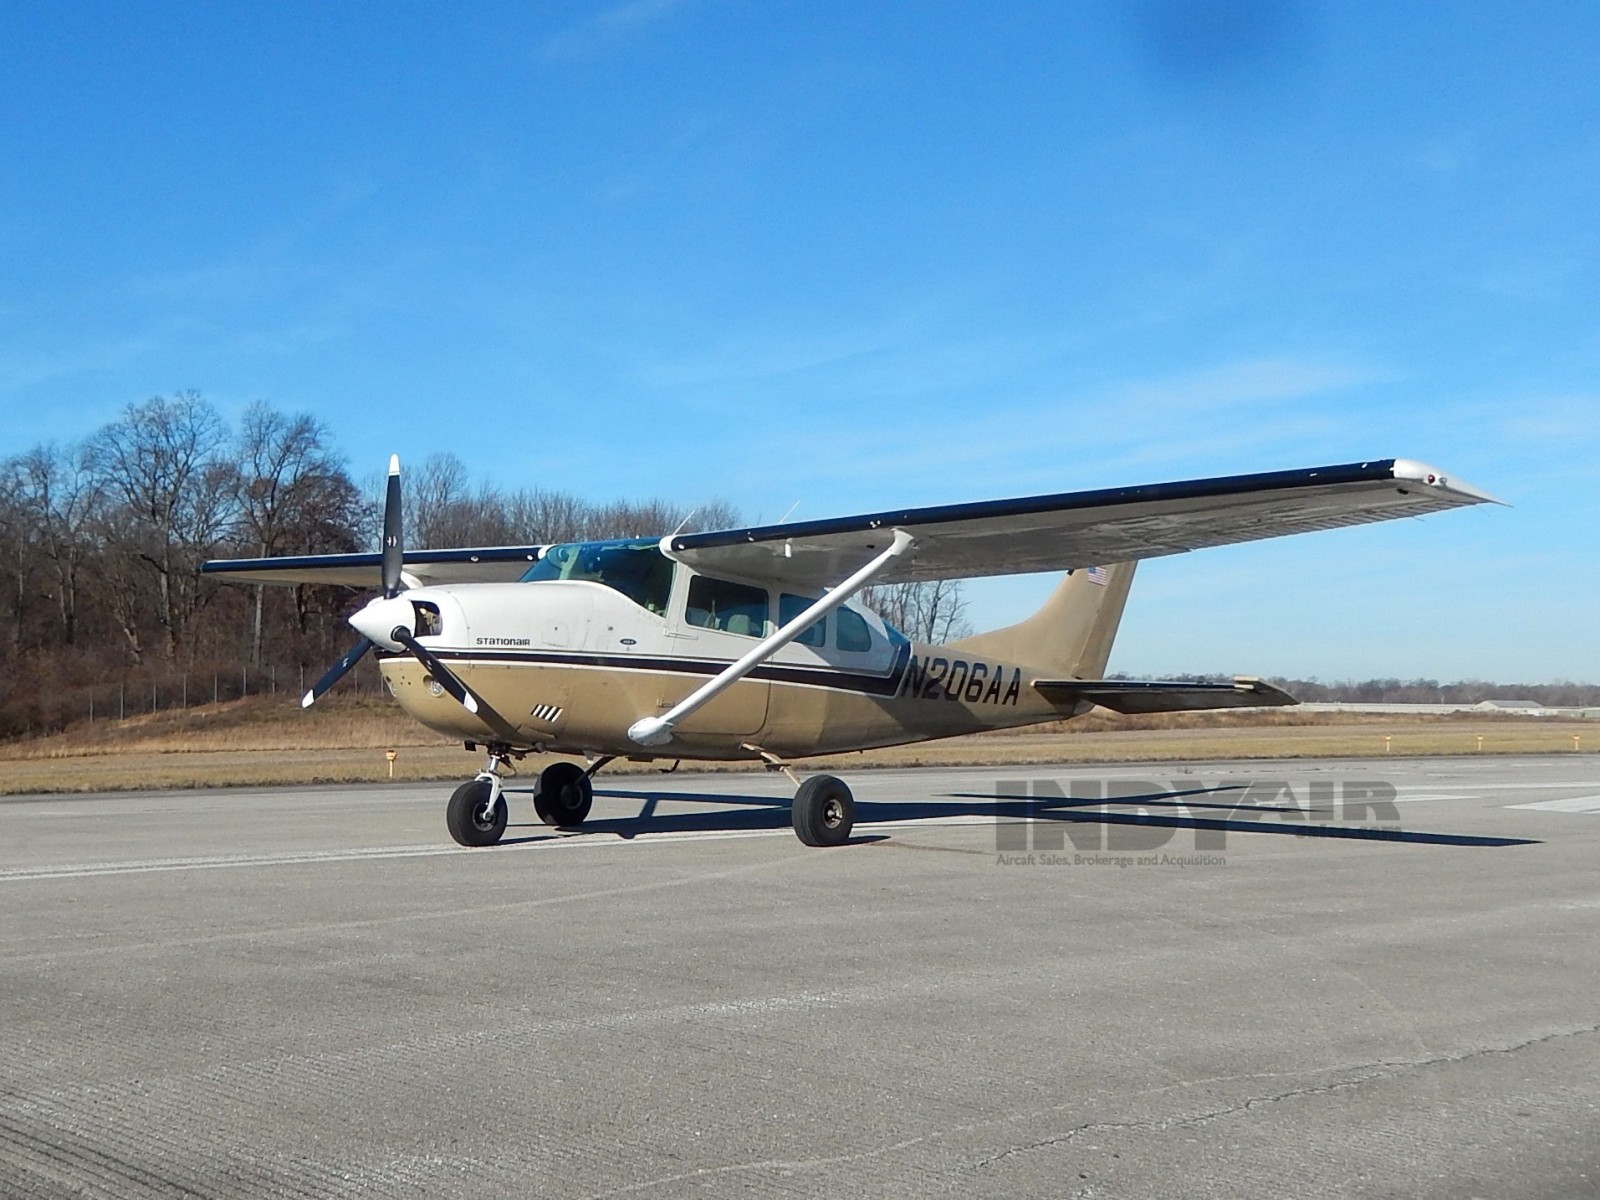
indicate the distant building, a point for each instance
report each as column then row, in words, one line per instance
column 1520, row 708
column 1510, row 708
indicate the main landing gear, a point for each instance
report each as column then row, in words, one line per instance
column 823, row 812
column 476, row 814
column 564, row 794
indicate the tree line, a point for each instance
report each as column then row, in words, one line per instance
column 1564, row 694
column 101, row 543
column 1432, row 691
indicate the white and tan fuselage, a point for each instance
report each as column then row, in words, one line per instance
column 570, row 666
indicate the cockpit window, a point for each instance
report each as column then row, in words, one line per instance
column 637, row 569
column 728, row 606
column 429, row 622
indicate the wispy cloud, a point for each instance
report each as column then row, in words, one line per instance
column 1559, row 419
column 1250, row 381
column 595, row 33
column 20, row 372
column 1233, row 416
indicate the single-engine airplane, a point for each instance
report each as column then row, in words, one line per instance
column 748, row 643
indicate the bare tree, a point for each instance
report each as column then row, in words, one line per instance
column 293, row 494
column 443, row 509
column 544, row 517
column 18, row 542
column 63, row 497
column 170, row 492
column 930, row 611
column 435, row 497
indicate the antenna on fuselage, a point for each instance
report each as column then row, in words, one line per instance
column 687, row 517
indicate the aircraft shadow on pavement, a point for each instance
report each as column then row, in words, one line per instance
column 1304, row 823
column 741, row 813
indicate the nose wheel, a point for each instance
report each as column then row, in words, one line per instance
column 476, row 814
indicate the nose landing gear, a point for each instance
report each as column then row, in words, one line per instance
column 476, row 814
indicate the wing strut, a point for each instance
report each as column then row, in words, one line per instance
column 657, row 731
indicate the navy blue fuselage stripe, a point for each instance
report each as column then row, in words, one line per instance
column 838, row 679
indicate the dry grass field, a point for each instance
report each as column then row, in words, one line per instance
column 263, row 742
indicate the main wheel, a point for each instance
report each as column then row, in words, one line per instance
column 564, row 795
column 470, row 818
column 824, row 811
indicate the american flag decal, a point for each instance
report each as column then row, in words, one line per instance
column 549, row 714
column 1098, row 575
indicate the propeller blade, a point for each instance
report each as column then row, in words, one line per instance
column 393, row 552
column 336, row 672
column 446, row 679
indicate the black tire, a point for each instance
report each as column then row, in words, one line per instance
column 466, row 819
column 564, row 795
column 824, row 811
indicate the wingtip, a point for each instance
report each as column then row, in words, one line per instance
column 1416, row 471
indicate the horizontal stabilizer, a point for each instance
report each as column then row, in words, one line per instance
column 1148, row 696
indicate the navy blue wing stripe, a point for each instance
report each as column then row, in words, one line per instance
column 494, row 554
column 1190, row 489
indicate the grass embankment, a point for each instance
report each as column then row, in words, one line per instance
column 265, row 742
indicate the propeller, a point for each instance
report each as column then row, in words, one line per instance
column 336, row 672
column 376, row 613
column 441, row 673
column 393, row 555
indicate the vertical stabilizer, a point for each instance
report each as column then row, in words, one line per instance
column 1070, row 637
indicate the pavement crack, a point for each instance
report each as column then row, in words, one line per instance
column 1364, row 1073
column 1382, row 1069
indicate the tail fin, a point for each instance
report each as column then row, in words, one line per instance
column 1071, row 635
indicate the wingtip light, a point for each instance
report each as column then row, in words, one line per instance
column 1415, row 471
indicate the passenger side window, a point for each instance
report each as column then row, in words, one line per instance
column 730, row 607
column 851, row 630
column 790, row 607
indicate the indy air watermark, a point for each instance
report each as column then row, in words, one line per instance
column 1184, row 824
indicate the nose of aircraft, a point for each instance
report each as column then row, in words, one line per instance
column 378, row 619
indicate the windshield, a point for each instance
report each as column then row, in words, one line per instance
column 636, row 568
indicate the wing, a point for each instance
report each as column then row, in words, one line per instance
column 1079, row 529
column 479, row 564
column 1145, row 696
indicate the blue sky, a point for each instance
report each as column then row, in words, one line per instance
column 847, row 256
